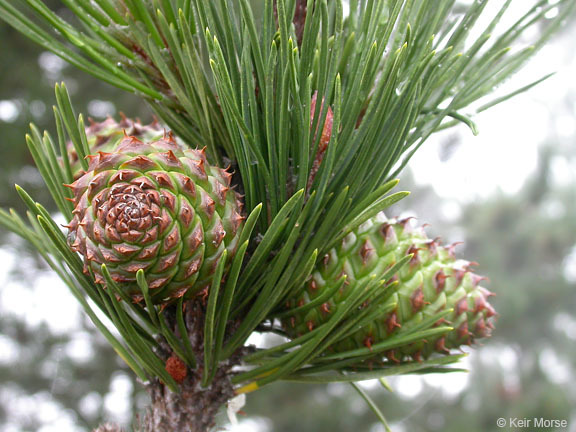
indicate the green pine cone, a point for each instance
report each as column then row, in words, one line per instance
column 157, row 207
column 431, row 282
column 106, row 135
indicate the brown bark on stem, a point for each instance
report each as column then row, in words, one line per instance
column 299, row 19
column 193, row 408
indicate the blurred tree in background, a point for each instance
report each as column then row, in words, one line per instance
column 59, row 376
column 27, row 78
column 66, row 377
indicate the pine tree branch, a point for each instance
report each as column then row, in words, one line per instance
column 388, row 76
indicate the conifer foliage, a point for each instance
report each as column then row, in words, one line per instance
column 254, row 203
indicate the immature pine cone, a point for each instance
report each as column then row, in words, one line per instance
column 431, row 282
column 157, row 207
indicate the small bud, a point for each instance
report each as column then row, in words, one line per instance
column 176, row 368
